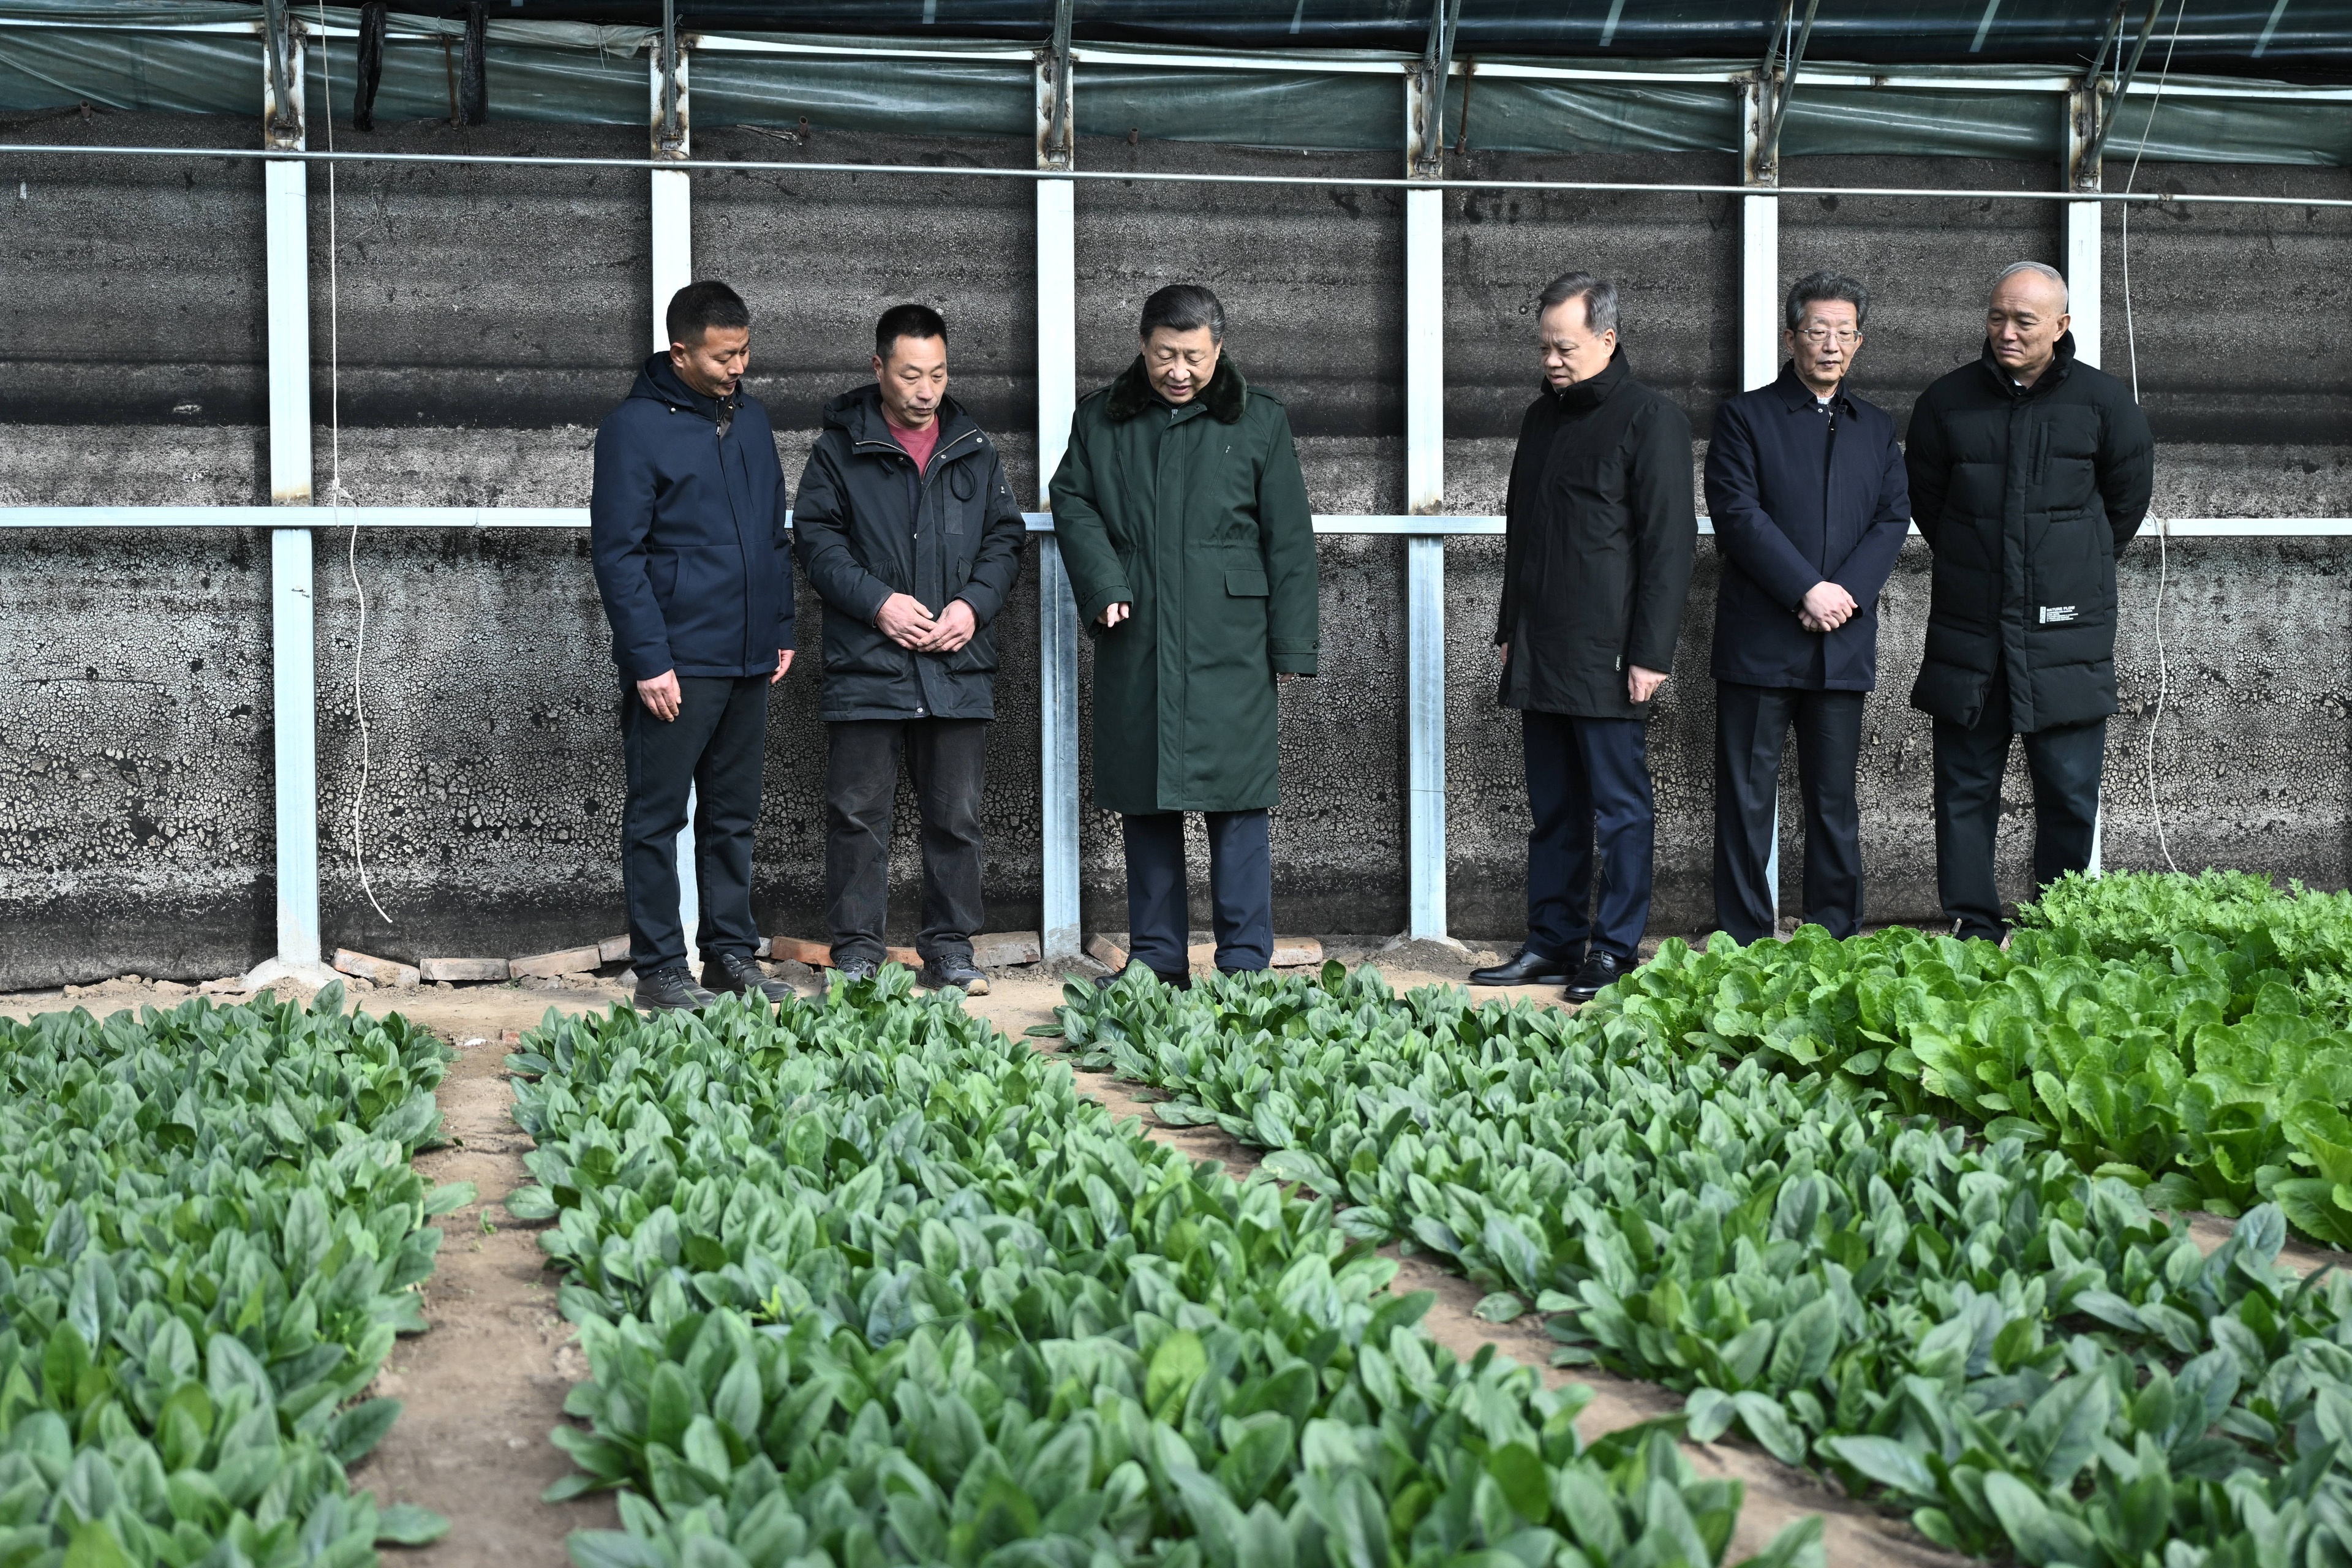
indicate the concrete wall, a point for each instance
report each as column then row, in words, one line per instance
column 485, row 318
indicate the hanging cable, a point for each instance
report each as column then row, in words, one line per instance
column 2131, row 347
column 335, row 472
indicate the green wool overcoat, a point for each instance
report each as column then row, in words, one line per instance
column 1197, row 516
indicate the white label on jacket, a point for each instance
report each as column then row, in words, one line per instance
column 2056, row 613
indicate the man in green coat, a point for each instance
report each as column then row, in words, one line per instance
column 1182, row 518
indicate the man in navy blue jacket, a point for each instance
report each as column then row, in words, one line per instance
column 688, row 525
column 1806, row 488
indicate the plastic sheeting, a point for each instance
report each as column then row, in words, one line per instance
column 579, row 73
column 2256, row 37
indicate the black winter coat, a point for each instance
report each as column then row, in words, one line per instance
column 869, row 526
column 686, row 523
column 1600, row 532
column 1800, row 497
column 2026, row 496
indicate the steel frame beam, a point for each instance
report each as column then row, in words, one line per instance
column 1059, row 922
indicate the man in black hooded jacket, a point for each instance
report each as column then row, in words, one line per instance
column 910, row 534
column 2030, row 472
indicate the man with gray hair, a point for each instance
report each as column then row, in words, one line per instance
column 1599, row 535
column 1182, row 518
column 1804, row 483
column 2030, row 472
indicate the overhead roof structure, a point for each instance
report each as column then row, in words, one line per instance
column 2254, row 81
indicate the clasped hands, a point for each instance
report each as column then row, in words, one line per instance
column 904, row 621
column 1826, row 607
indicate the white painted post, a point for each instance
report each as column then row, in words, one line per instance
column 293, row 649
column 1760, row 323
column 2083, row 267
column 1425, row 483
column 1057, row 611
column 672, row 269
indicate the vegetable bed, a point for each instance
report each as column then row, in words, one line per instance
column 862, row 1282
column 211, row 1230
column 1729, row 1175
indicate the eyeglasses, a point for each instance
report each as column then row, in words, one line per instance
column 1844, row 337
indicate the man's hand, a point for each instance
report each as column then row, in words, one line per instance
column 1827, row 608
column 904, row 621
column 1502, row 653
column 1112, row 615
column 954, row 627
column 660, row 695
column 784, row 663
column 1640, row 685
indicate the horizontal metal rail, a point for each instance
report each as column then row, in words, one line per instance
column 485, row 517
column 769, row 165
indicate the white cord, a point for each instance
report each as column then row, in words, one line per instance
column 335, row 471
column 2163, row 534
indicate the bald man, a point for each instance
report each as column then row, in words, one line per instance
column 2030, row 472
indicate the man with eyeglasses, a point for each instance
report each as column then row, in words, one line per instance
column 2030, row 472
column 1805, row 486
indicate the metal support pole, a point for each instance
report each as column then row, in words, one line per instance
column 1425, row 445
column 294, row 715
column 1057, row 611
column 672, row 215
column 2086, row 134
column 1759, row 312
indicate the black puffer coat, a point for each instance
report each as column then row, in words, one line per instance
column 869, row 526
column 1600, row 532
column 2026, row 496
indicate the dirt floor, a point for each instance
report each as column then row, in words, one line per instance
column 481, row 1389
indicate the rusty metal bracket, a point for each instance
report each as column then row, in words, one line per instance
column 670, row 126
column 282, row 128
column 1773, row 91
column 1056, row 133
column 1425, row 87
column 2095, row 105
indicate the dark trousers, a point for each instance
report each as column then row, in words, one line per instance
column 1241, row 890
column 2064, row 762
column 1752, row 724
column 1588, row 781
column 716, row 747
column 947, row 758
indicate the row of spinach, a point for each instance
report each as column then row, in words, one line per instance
column 2017, row 1350
column 863, row 1282
column 2209, row 1077
column 211, row 1232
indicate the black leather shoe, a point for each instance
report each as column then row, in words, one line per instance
column 1179, row 982
column 1529, row 968
column 1599, row 972
column 957, row 971
column 737, row 972
column 855, row 969
column 671, row 989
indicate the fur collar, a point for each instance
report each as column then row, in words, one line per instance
column 1224, row 397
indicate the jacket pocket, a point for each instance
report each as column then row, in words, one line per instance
column 1246, row 583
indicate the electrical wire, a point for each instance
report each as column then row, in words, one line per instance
column 335, row 476
column 2163, row 551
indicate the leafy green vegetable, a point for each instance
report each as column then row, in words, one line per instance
column 2016, row 1348
column 864, row 1281
column 209, row 1230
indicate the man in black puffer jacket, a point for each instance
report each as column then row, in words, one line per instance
column 910, row 534
column 2030, row 472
